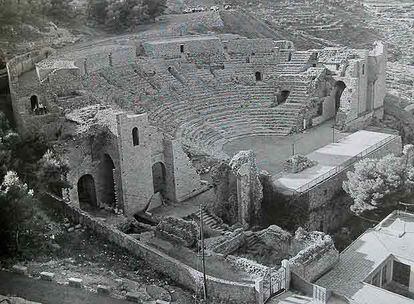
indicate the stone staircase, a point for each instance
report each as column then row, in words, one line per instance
column 209, row 220
column 298, row 94
column 253, row 244
column 287, row 116
column 301, row 57
column 289, row 68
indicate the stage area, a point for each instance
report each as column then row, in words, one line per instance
column 334, row 157
column 272, row 151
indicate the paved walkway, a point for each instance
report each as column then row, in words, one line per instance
column 49, row 292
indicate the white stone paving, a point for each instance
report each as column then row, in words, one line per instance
column 332, row 156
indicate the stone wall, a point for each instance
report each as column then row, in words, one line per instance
column 186, row 181
column 225, row 189
column 228, row 244
column 85, row 156
column 26, row 62
column 177, row 230
column 115, row 55
column 276, row 238
column 204, row 47
column 21, row 92
column 251, row 46
column 315, row 260
column 365, row 87
column 228, row 291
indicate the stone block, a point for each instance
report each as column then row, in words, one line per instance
column 20, row 269
column 103, row 289
column 78, row 226
column 158, row 293
column 47, row 276
column 162, row 302
column 133, row 297
column 75, row 282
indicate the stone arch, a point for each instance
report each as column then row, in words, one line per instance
column 34, row 102
column 339, row 88
column 282, row 96
column 87, row 192
column 135, row 136
column 106, row 181
column 159, row 177
column 259, row 76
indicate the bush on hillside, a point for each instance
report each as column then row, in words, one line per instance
column 121, row 14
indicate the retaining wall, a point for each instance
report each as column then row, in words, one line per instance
column 231, row 292
column 26, row 62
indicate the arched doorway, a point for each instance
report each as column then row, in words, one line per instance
column 107, row 183
column 339, row 89
column 258, row 76
column 87, row 192
column 158, row 177
column 34, row 102
column 282, row 96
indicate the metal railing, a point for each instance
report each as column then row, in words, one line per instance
column 346, row 164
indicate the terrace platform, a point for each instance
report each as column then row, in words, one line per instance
column 333, row 158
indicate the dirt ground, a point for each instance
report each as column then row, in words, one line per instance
column 80, row 254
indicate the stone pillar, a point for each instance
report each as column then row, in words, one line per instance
column 249, row 188
column 285, row 264
column 258, row 286
column 243, row 194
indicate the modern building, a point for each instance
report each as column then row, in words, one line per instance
column 378, row 267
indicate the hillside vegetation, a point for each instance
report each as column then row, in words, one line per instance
column 29, row 24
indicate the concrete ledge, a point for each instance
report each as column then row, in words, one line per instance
column 103, row 289
column 47, row 276
column 20, row 269
column 133, row 297
column 75, row 282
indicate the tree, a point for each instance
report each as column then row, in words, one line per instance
column 59, row 8
column 2, row 60
column 156, row 7
column 97, row 10
column 377, row 183
column 26, row 156
column 52, row 173
column 16, row 210
column 121, row 14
